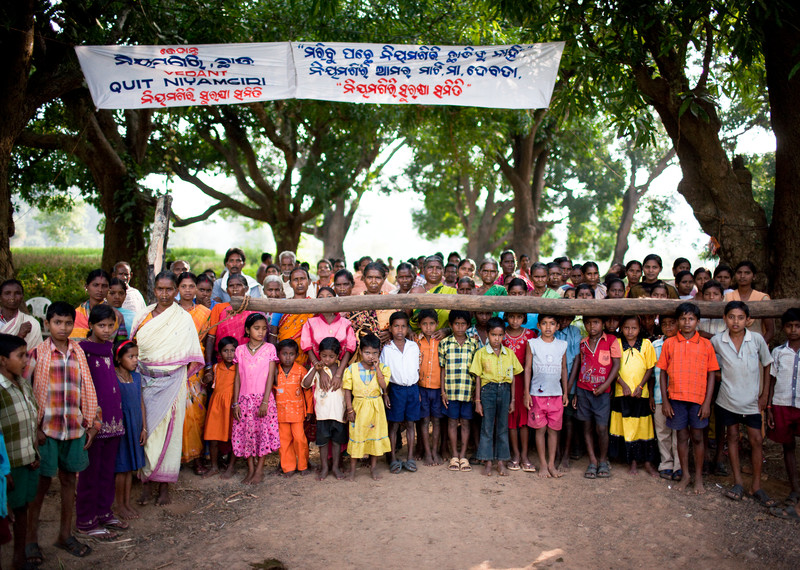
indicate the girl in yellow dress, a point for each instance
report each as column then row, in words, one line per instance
column 365, row 396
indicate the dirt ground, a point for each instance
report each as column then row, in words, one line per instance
column 440, row 519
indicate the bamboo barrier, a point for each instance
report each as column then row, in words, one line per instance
column 562, row 307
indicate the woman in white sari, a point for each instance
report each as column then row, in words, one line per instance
column 169, row 352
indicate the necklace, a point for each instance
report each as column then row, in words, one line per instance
column 125, row 379
column 254, row 350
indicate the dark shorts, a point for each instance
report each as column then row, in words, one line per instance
column 66, row 455
column 26, row 481
column 458, row 410
column 787, row 424
column 430, row 405
column 728, row 418
column 331, row 430
column 684, row 415
column 405, row 403
column 591, row 407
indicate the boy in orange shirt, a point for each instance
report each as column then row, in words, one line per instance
column 688, row 366
column 291, row 403
column 430, row 385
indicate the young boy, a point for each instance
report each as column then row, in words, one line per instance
column 66, row 422
column 670, row 465
column 329, row 406
column 546, row 390
column 595, row 370
column 291, row 406
column 457, row 386
column 783, row 406
column 402, row 358
column 430, row 385
column 572, row 335
column 18, row 416
column 496, row 366
column 744, row 361
column 688, row 366
column 712, row 291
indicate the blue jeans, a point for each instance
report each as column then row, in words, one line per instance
column 493, row 445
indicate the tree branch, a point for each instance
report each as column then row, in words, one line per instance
column 181, row 222
column 707, row 55
column 225, row 201
column 661, row 166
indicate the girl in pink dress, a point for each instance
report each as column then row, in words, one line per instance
column 255, row 417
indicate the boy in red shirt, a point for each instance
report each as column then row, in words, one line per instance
column 598, row 365
column 688, row 366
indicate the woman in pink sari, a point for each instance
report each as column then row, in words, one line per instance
column 169, row 352
column 222, row 324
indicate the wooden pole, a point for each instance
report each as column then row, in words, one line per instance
column 158, row 243
column 561, row 307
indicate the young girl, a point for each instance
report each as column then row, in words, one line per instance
column 615, row 289
column 632, row 439
column 478, row 330
column 255, row 417
column 516, row 339
column 329, row 406
column 365, row 398
column 95, row 492
column 218, row 420
column 130, row 457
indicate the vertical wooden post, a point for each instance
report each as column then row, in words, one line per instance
column 158, row 244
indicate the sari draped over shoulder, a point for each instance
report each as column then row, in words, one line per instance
column 196, row 397
column 81, row 329
column 291, row 326
column 169, row 352
column 221, row 324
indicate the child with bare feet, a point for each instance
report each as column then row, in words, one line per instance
column 329, row 406
column 430, row 386
column 218, row 419
column 572, row 335
column 496, row 367
column 255, row 418
column 291, row 403
column 545, row 395
column 130, row 457
column 365, row 384
column 688, row 368
column 596, row 368
column 632, row 439
column 458, row 385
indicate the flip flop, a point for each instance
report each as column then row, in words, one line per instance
column 74, row 547
column 455, row 464
column 787, row 513
column 793, row 498
column 591, row 471
column 665, row 474
column 99, row 533
column 762, row 497
column 513, row 466
column 735, row 493
column 395, row 467
column 410, row 465
column 677, row 475
column 32, row 551
column 528, row 468
column 604, row 470
column 464, row 465
column 116, row 524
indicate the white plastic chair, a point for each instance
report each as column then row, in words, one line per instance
column 38, row 308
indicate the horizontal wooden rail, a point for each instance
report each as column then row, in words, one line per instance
column 599, row 307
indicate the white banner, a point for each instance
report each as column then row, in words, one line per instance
column 506, row 77
column 511, row 77
column 135, row 77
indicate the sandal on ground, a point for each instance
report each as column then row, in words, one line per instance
column 787, row 513
column 116, row 524
column 720, row 469
column 74, row 547
column 99, row 533
column 464, row 465
column 604, row 470
column 528, row 468
column 410, row 465
column 735, row 493
column 33, row 554
column 513, row 466
column 677, row 475
column 762, row 497
column 395, row 467
column 455, row 464
column 665, row 474
column 793, row 498
column 591, row 471
column 475, row 461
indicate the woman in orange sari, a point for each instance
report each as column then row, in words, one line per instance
column 291, row 326
column 195, row 418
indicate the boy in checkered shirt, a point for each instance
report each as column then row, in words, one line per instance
column 458, row 385
column 688, row 366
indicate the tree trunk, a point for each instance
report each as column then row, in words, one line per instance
column 335, row 226
column 125, row 222
column 630, row 200
column 781, row 56
column 287, row 238
column 6, row 215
